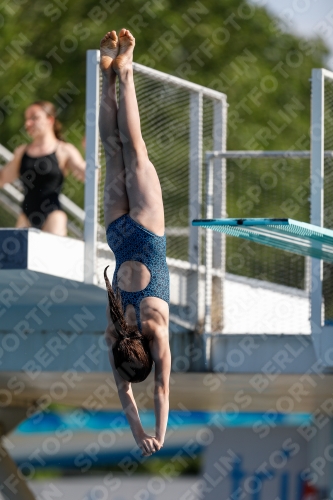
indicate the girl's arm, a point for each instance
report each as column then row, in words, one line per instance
column 11, row 170
column 147, row 444
column 75, row 163
column 160, row 350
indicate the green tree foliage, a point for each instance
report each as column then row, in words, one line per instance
column 230, row 45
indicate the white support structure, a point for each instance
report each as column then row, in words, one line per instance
column 91, row 184
column 322, row 333
column 195, row 203
column 215, row 259
column 195, row 191
column 219, row 209
column 209, row 262
column 317, row 191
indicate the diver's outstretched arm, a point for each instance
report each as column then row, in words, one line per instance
column 160, row 350
column 148, row 444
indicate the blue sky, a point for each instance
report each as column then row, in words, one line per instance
column 305, row 17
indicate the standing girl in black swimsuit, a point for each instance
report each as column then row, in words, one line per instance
column 138, row 312
column 41, row 166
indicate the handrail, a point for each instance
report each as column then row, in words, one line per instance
column 178, row 82
column 263, row 154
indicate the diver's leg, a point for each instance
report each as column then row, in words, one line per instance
column 142, row 183
column 115, row 193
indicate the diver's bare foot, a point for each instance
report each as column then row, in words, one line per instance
column 109, row 50
column 124, row 59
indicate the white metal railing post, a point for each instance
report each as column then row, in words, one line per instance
column 208, row 263
column 219, row 211
column 195, row 201
column 317, row 190
column 91, row 182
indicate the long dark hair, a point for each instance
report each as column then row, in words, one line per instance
column 50, row 110
column 131, row 350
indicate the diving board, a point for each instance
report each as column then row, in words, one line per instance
column 286, row 234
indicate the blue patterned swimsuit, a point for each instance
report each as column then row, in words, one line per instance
column 130, row 241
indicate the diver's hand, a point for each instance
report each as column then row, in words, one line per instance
column 148, row 444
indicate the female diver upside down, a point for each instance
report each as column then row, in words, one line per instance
column 138, row 311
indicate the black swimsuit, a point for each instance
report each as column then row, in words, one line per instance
column 42, row 180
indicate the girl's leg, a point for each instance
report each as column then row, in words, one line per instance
column 142, row 183
column 115, row 194
column 56, row 223
column 22, row 221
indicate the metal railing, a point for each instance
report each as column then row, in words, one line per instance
column 210, row 157
column 321, row 199
column 197, row 94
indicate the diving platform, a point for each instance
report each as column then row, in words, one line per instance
column 286, row 234
column 52, row 347
column 42, row 283
column 43, row 288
